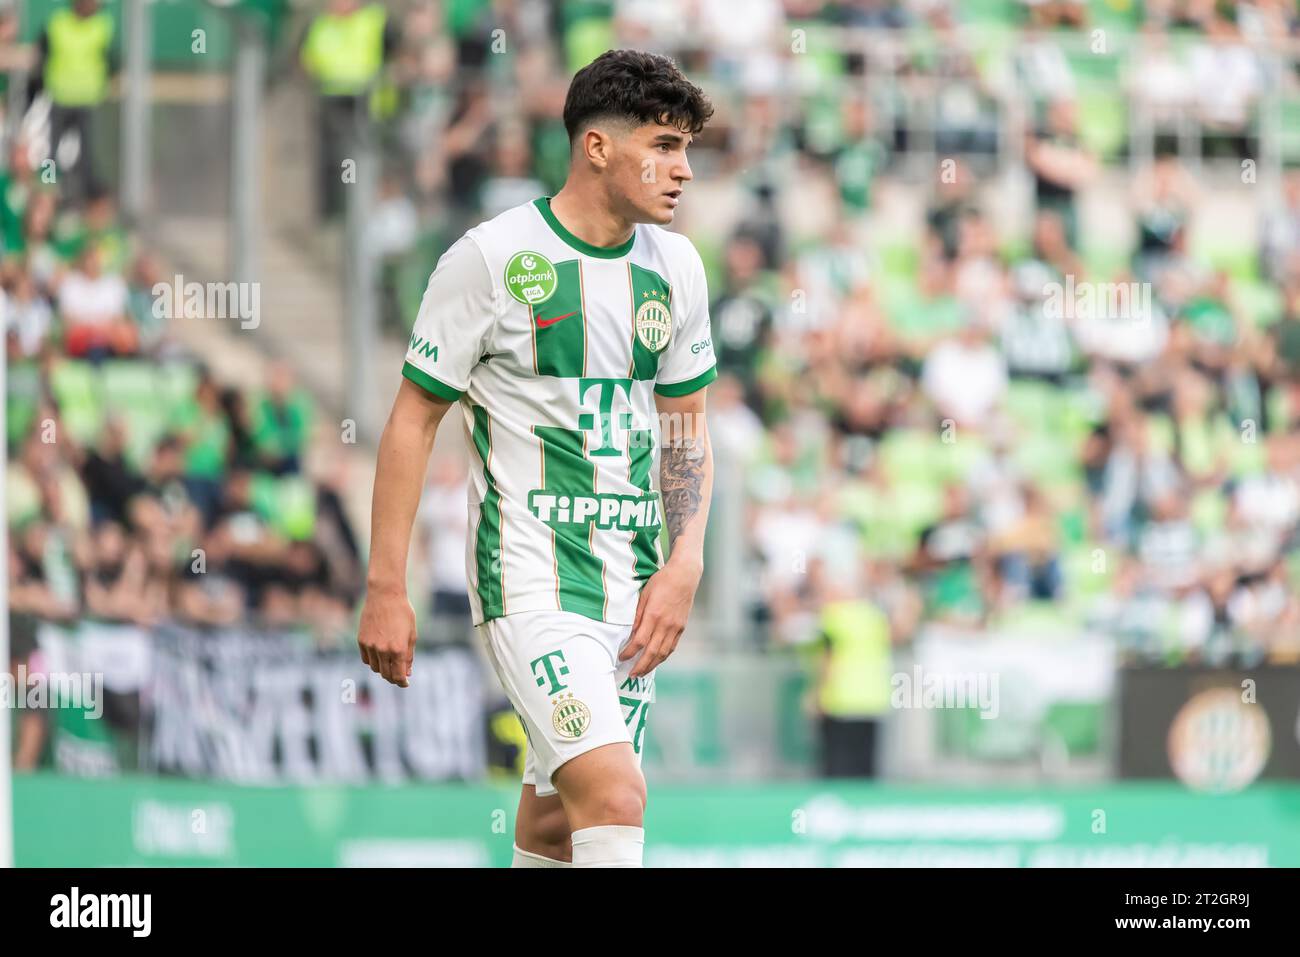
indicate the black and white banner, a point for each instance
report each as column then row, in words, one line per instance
column 263, row 708
column 260, row 708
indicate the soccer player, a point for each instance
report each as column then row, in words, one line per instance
column 573, row 334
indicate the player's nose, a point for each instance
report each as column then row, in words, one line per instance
column 682, row 171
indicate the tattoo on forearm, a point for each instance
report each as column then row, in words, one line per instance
column 681, row 478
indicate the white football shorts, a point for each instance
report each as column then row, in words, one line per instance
column 562, row 675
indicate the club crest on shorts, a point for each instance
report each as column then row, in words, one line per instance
column 571, row 717
column 654, row 321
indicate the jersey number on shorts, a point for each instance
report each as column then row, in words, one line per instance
column 636, row 705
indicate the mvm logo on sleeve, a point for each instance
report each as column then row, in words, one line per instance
column 102, row 910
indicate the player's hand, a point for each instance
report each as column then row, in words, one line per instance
column 387, row 635
column 661, row 614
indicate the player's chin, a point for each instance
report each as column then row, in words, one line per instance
column 662, row 212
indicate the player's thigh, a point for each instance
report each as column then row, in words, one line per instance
column 602, row 786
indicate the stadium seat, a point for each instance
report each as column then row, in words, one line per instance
column 176, row 382
column 22, row 397
column 1088, row 571
column 77, row 389
column 1260, row 301
column 990, row 12
column 1103, row 118
column 1123, row 16
column 1289, row 129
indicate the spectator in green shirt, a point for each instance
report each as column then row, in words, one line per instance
column 282, row 422
column 203, row 424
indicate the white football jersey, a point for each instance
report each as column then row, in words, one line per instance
column 554, row 349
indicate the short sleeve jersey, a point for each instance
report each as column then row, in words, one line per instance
column 555, row 349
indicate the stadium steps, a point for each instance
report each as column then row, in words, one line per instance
column 302, row 316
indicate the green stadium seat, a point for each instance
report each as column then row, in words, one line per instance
column 991, row 46
column 1025, row 401
column 954, row 462
column 907, row 455
column 1044, row 459
column 78, row 392
column 1234, row 257
column 1208, row 511
column 129, row 383
column 1279, row 410
column 145, row 426
column 913, row 317
column 1104, row 262
column 175, row 383
column 898, row 260
column 22, row 400
column 1119, row 15
column 22, row 500
column 1085, row 578
column 1247, row 458
column 1260, row 301
column 1036, row 620
column 1289, row 128
column 1103, row 119
column 587, row 39
column 990, row 12
column 1016, row 249
column 914, row 504
column 1095, row 69
column 1160, row 432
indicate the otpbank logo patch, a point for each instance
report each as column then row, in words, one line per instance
column 530, row 278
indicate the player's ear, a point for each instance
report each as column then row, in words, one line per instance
column 597, row 146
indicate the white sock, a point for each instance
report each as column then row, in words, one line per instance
column 610, row 845
column 529, row 859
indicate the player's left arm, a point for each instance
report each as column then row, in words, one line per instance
column 685, row 485
column 685, row 476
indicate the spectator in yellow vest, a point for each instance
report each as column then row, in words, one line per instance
column 851, row 692
column 76, row 62
column 344, row 52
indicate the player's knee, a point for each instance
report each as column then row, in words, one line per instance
column 620, row 802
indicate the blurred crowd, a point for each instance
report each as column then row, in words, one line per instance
column 964, row 412
column 140, row 488
column 970, row 415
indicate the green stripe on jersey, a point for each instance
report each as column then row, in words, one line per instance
column 640, row 458
column 488, row 557
column 567, row 472
column 429, row 384
column 646, row 286
column 678, row 389
column 560, row 326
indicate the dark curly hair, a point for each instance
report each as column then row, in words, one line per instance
column 638, row 87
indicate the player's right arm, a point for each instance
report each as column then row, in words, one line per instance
column 387, row 633
column 451, row 334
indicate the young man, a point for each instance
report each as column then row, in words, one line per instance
column 565, row 329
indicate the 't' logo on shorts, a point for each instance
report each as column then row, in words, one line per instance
column 553, row 672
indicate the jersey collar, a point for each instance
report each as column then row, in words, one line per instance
column 543, row 204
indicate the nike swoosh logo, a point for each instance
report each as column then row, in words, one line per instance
column 543, row 323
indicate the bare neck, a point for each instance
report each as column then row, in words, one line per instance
column 581, row 210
